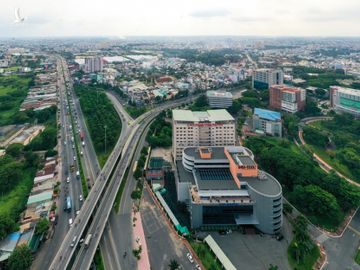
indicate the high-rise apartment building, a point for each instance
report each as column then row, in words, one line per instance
column 287, row 98
column 93, row 64
column 210, row 128
column 266, row 77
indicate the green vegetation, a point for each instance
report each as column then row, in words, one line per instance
column 13, row 90
column 160, row 132
column 134, row 111
column 324, row 79
column 173, row 265
column 20, row 258
column 98, row 260
column 206, row 256
column 302, row 251
column 214, row 57
column 304, row 181
column 120, row 191
column 42, row 226
column 100, row 115
column 357, row 257
column 336, row 141
column 200, row 104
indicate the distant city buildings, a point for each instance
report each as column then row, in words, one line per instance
column 345, row 100
column 219, row 99
column 93, row 64
column 224, row 188
column 287, row 98
column 210, row 128
column 267, row 122
column 265, row 78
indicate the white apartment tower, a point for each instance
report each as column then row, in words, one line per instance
column 210, row 128
column 93, row 64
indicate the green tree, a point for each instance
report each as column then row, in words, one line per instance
column 42, row 226
column 173, row 265
column 20, row 258
column 14, row 150
column 273, row 267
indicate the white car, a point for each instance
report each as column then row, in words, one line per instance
column 68, row 179
column 81, row 198
column 197, row 267
column 70, row 222
column 74, row 158
column 77, row 212
column 188, row 255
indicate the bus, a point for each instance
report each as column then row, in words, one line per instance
column 67, row 204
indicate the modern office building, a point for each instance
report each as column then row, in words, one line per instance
column 93, row 64
column 287, row 98
column 345, row 100
column 266, row 77
column 210, row 128
column 219, row 99
column 267, row 122
column 223, row 187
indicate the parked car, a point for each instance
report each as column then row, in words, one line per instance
column 188, row 255
column 81, row 198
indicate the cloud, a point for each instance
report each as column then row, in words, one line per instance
column 246, row 19
column 210, row 13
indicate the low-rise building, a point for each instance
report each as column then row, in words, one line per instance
column 223, row 187
column 267, row 122
column 219, row 99
column 345, row 100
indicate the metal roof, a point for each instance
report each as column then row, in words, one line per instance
column 227, row 264
column 38, row 198
column 208, row 116
column 267, row 114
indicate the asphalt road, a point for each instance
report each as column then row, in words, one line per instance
column 48, row 249
column 163, row 245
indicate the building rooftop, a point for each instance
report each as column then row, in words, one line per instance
column 349, row 91
column 38, row 198
column 212, row 93
column 208, row 116
column 267, row 114
column 214, row 179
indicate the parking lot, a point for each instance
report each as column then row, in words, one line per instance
column 254, row 251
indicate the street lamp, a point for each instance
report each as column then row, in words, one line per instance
column 105, row 137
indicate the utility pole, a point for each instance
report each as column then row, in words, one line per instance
column 105, row 138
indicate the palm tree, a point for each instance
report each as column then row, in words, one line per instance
column 173, row 265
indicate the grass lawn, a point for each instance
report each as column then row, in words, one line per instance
column 8, row 86
column 357, row 257
column 308, row 262
column 98, row 260
column 206, row 256
column 333, row 162
column 13, row 202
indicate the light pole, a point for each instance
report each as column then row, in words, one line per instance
column 105, row 138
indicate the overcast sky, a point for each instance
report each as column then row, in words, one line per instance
column 181, row 17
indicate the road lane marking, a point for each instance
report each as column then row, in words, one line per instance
column 354, row 230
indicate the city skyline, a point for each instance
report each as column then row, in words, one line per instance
column 185, row 18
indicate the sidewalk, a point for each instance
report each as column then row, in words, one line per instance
column 140, row 240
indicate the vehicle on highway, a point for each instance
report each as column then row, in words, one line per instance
column 72, row 168
column 197, row 267
column 74, row 158
column 80, row 198
column 77, row 175
column 77, row 213
column 87, row 240
column 81, row 135
column 188, row 255
column 70, row 222
column 67, row 206
column 81, row 153
column 68, row 179
column 73, row 241
column 83, row 143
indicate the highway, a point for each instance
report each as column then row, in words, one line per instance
column 98, row 205
column 67, row 153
